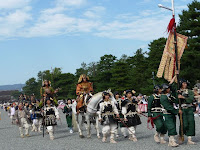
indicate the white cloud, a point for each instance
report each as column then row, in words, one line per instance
column 53, row 10
column 127, row 17
column 50, row 25
column 12, row 4
column 12, row 24
column 58, row 24
column 166, row 1
column 64, row 3
column 95, row 12
column 143, row 28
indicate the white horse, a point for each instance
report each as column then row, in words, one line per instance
column 91, row 114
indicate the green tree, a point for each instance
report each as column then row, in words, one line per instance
column 66, row 82
column 120, row 79
column 156, row 48
column 81, row 70
column 137, row 73
column 190, row 26
column 16, row 94
column 104, row 74
column 31, row 87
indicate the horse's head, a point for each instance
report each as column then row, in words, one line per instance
column 111, row 96
column 109, row 91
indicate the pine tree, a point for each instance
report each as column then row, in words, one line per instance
column 190, row 26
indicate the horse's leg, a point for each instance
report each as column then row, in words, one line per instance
column 97, row 126
column 79, row 128
column 88, row 125
column 83, row 120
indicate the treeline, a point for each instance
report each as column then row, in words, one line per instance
column 129, row 72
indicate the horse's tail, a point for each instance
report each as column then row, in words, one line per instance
column 74, row 108
column 74, row 124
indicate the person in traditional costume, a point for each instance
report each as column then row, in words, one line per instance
column 155, row 111
column 12, row 113
column 119, row 107
column 130, row 113
column 83, row 88
column 68, row 112
column 186, row 97
column 22, row 120
column 37, row 117
column 107, row 112
column 48, row 92
column 26, row 105
column 51, row 114
column 33, row 100
column 21, row 98
column 169, row 112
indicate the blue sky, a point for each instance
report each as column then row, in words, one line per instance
column 36, row 35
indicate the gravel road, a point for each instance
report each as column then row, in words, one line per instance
column 10, row 139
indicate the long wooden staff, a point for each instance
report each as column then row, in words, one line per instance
column 178, row 86
column 125, row 125
column 43, row 116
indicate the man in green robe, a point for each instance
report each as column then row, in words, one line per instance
column 169, row 112
column 68, row 112
column 155, row 111
column 187, row 97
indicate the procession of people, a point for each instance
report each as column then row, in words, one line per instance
column 164, row 106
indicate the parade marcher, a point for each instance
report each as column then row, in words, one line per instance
column 12, row 113
column 33, row 100
column 50, row 115
column 68, row 112
column 107, row 112
column 30, row 110
column 186, row 97
column 26, row 99
column 21, row 116
column 155, row 111
column 119, row 107
column 197, row 98
column 33, row 120
column 131, row 118
column 21, row 98
column 26, row 105
column 169, row 112
column 83, row 88
column 47, row 91
column 37, row 120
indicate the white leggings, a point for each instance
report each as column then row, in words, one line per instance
column 131, row 130
column 50, row 129
column 109, row 129
column 24, row 124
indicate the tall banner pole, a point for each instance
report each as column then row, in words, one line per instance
column 43, row 109
column 177, row 69
column 173, row 12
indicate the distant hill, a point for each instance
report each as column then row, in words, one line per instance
column 11, row 87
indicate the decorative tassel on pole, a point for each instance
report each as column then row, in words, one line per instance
column 171, row 25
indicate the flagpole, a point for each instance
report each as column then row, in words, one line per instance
column 173, row 12
column 172, row 28
column 177, row 69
